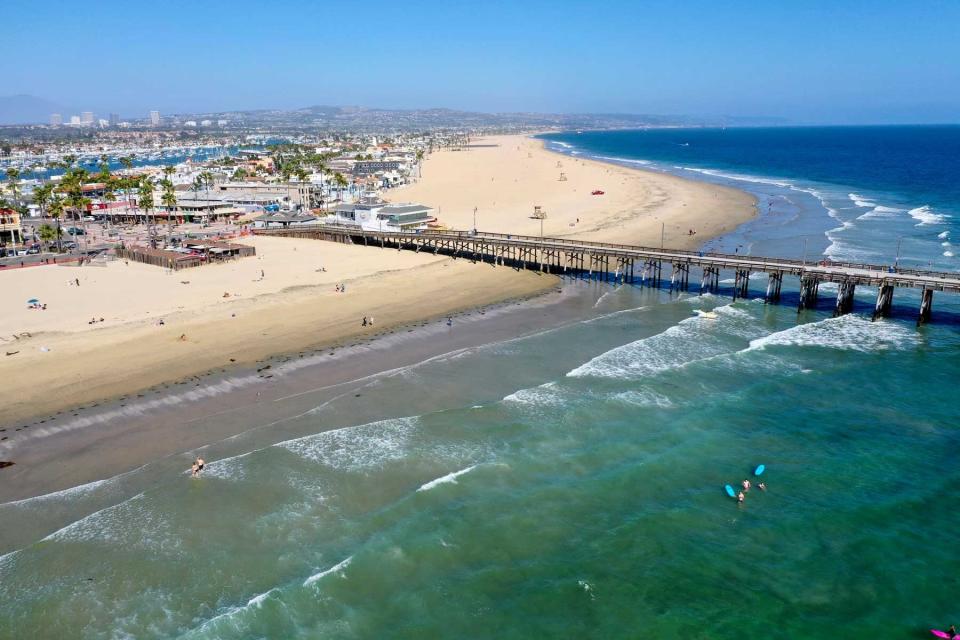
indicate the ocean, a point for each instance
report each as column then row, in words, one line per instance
column 566, row 478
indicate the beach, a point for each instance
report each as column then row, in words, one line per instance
column 505, row 177
column 284, row 299
column 217, row 315
column 552, row 464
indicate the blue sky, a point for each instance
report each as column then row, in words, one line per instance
column 826, row 62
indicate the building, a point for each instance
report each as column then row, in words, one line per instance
column 114, row 119
column 300, row 195
column 190, row 123
column 11, row 232
column 155, row 118
column 370, row 167
column 221, row 123
column 86, row 118
column 75, row 120
column 376, row 215
column 280, row 220
column 56, row 119
column 206, row 123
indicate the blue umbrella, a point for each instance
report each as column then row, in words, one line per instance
column 32, row 301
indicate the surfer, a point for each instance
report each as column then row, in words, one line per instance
column 746, row 485
column 740, row 497
column 197, row 467
column 762, row 486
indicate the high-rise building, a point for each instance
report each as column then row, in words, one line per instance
column 56, row 119
column 74, row 119
column 114, row 119
column 86, row 117
column 155, row 118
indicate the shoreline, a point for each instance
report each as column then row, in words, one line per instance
column 213, row 408
column 89, row 371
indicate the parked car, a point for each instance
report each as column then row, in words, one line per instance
column 75, row 231
column 69, row 245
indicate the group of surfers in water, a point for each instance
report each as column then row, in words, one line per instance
column 742, row 494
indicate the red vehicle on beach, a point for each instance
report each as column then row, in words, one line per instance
column 596, row 193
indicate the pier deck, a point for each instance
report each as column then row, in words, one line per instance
column 630, row 263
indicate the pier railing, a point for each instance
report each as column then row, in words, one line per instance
column 632, row 263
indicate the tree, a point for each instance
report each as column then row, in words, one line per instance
column 419, row 163
column 145, row 192
column 169, row 198
column 240, row 173
column 341, row 183
column 48, row 233
column 13, row 183
column 56, row 212
column 72, row 183
column 41, row 196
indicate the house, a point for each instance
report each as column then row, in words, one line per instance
column 11, row 231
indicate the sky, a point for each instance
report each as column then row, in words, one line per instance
column 807, row 62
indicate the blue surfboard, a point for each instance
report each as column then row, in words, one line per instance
column 730, row 491
column 759, row 470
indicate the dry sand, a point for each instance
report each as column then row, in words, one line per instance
column 67, row 362
column 505, row 181
column 293, row 306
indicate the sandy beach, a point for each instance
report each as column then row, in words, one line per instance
column 67, row 362
column 504, row 177
column 284, row 299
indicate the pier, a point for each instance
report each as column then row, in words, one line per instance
column 651, row 266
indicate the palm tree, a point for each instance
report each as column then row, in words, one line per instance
column 168, row 200
column 73, row 182
column 13, row 183
column 56, row 212
column 341, row 182
column 41, row 196
column 419, row 163
column 145, row 202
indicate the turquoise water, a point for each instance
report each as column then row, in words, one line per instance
column 577, row 491
column 567, row 482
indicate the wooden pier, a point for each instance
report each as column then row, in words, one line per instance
column 647, row 266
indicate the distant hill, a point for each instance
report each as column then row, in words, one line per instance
column 25, row 109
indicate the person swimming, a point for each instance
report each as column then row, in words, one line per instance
column 746, row 485
column 197, row 467
column 762, row 486
column 740, row 497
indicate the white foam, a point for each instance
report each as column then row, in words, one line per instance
column 943, row 235
column 679, row 345
column 72, row 493
column 337, row 568
column 562, row 144
column 743, row 178
column 861, row 201
column 358, row 447
column 545, row 394
column 880, row 212
column 848, row 333
column 948, row 254
column 138, row 409
column 925, row 216
column 644, row 163
column 449, row 478
column 644, row 397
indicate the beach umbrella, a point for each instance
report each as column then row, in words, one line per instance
column 32, row 301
